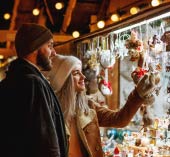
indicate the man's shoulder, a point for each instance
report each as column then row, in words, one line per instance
column 2, row 83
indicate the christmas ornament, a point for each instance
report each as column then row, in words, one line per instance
column 155, row 45
column 116, row 152
column 105, row 87
column 166, row 39
column 107, row 59
column 134, row 46
column 137, row 74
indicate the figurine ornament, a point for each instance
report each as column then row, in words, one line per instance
column 134, row 46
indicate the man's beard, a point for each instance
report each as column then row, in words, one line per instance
column 44, row 62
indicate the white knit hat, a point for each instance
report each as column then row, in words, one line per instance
column 62, row 67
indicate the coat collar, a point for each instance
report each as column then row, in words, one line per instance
column 83, row 120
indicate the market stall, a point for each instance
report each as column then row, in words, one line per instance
column 109, row 59
column 136, row 45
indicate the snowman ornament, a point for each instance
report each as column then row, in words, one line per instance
column 105, row 87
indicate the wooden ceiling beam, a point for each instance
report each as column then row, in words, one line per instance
column 12, row 23
column 7, row 52
column 48, row 12
column 102, row 13
column 7, row 35
column 14, row 15
column 68, row 15
column 24, row 12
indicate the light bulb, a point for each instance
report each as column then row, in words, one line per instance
column 59, row 5
column 36, row 12
column 75, row 34
column 1, row 57
column 155, row 3
column 134, row 10
column 7, row 16
column 115, row 17
column 101, row 24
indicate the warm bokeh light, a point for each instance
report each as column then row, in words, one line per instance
column 101, row 24
column 59, row 5
column 155, row 3
column 7, row 16
column 134, row 10
column 115, row 17
column 36, row 12
column 1, row 57
column 75, row 34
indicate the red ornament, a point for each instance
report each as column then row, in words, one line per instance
column 140, row 72
column 116, row 152
column 107, row 84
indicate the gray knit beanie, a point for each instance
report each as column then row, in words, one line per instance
column 30, row 37
column 62, row 68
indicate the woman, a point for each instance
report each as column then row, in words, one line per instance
column 82, row 115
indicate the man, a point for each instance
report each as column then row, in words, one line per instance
column 31, row 119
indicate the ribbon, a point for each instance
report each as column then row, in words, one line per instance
column 140, row 72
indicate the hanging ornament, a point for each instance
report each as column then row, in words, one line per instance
column 119, row 45
column 92, row 86
column 166, row 39
column 104, row 84
column 107, row 58
column 168, row 87
column 91, row 74
column 167, row 68
column 137, row 74
column 90, row 61
column 105, row 87
column 155, row 45
column 114, row 47
column 134, row 46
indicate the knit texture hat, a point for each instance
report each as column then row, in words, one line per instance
column 30, row 37
column 62, row 68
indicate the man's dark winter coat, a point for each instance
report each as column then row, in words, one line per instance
column 31, row 120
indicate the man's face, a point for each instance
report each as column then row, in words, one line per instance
column 45, row 54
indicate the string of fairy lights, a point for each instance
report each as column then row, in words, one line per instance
column 115, row 17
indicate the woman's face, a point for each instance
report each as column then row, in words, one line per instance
column 78, row 78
